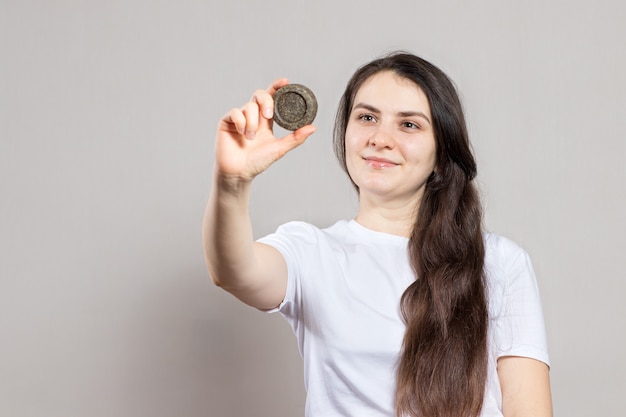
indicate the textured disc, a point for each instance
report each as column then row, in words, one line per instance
column 294, row 106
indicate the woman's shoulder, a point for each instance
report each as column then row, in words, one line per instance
column 501, row 247
column 505, row 260
column 507, row 264
column 341, row 234
column 306, row 228
column 305, row 232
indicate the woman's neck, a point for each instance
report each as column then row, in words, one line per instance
column 393, row 217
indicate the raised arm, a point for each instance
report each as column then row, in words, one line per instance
column 245, row 146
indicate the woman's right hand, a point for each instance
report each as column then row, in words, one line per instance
column 245, row 143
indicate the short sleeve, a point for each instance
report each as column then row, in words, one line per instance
column 517, row 322
column 294, row 240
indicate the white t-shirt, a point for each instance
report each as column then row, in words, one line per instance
column 342, row 301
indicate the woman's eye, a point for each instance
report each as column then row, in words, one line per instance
column 410, row 125
column 367, row 118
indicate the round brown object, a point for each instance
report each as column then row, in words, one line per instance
column 294, row 106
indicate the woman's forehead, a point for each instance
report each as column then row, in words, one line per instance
column 393, row 90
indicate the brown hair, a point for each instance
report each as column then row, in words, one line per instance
column 442, row 368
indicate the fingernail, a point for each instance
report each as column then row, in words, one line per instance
column 267, row 113
column 250, row 135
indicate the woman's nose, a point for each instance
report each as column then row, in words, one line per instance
column 382, row 138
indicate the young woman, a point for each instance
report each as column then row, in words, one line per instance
column 409, row 309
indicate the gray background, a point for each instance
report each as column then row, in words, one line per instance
column 107, row 117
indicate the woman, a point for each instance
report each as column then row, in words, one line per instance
column 408, row 309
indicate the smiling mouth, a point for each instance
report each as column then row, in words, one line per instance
column 379, row 163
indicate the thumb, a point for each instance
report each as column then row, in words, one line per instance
column 295, row 139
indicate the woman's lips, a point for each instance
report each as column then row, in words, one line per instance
column 379, row 163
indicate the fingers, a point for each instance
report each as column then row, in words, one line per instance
column 251, row 112
column 265, row 103
column 255, row 114
column 244, row 121
column 295, row 139
column 280, row 82
column 265, row 100
column 233, row 121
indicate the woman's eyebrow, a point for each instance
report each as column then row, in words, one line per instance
column 414, row 113
column 367, row 107
column 409, row 113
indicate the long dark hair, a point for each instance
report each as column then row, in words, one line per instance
column 442, row 368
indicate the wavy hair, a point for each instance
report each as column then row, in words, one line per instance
column 442, row 368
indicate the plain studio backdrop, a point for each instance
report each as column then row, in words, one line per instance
column 107, row 117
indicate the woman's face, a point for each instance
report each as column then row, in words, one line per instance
column 390, row 142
